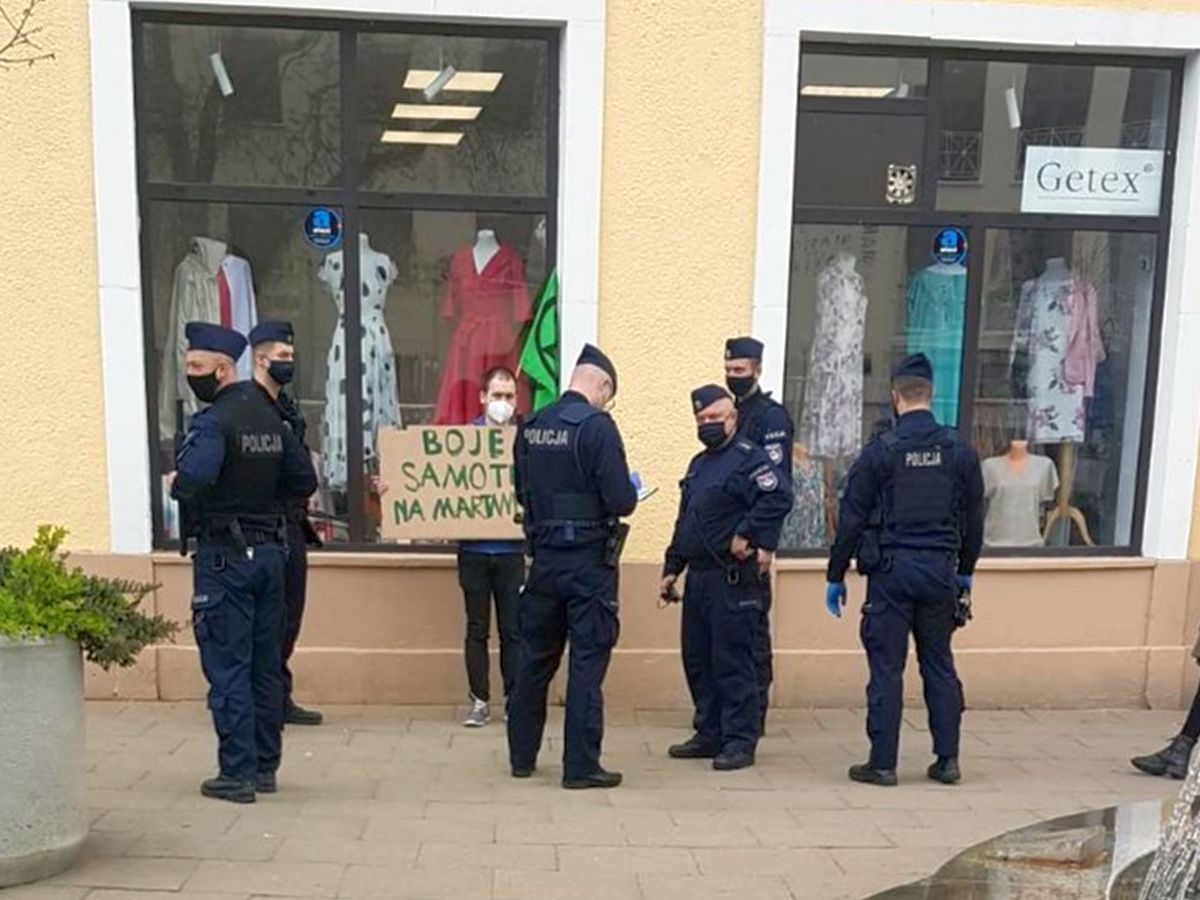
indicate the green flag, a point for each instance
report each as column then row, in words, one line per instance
column 539, row 352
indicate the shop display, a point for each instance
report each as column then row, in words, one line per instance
column 1058, row 335
column 831, row 420
column 487, row 295
column 937, row 301
column 380, row 397
column 805, row 526
column 1017, row 487
column 211, row 285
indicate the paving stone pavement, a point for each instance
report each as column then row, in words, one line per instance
column 403, row 802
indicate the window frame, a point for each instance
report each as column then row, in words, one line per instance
column 345, row 195
column 923, row 213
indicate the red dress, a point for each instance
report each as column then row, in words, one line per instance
column 491, row 307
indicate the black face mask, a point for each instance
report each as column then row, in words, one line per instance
column 741, row 385
column 205, row 387
column 712, row 434
column 282, row 371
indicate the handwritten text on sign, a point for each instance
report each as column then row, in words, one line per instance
column 448, row 483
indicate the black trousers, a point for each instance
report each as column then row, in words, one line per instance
column 295, row 586
column 485, row 577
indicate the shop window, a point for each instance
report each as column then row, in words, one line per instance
column 251, row 211
column 1034, row 299
column 1009, row 107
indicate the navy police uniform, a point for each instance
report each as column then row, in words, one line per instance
column 765, row 422
column 929, row 488
column 236, row 469
column 730, row 490
column 300, row 532
column 573, row 483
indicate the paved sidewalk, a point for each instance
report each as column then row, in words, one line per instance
column 403, row 802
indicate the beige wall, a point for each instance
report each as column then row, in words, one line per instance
column 1083, row 633
column 52, row 426
column 681, row 114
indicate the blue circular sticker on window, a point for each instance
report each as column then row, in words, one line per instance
column 950, row 247
column 323, row 228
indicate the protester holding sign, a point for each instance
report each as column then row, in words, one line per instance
column 491, row 570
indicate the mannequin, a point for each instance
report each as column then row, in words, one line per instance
column 937, row 303
column 486, row 246
column 487, row 296
column 1017, row 486
column 380, row 395
column 831, row 419
column 1057, row 330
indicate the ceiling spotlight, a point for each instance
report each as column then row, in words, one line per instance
column 440, row 80
column 221, row 74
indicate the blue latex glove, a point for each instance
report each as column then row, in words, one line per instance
column 635, row 478
column 835, row 598
column 965, row 582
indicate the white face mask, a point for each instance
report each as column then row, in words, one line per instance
column 500, row 412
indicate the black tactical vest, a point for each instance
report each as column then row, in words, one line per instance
column 254, row 437
column 920, row 503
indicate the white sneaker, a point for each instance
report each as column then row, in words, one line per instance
column 478, row 716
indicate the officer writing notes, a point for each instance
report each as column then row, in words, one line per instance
column 765, row 422
column 272, row 344
column 730, row 514
column 236, row 472
column 927, row 487
column 573, row 484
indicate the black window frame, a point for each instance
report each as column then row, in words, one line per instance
column 924, row 213
column 345, row 195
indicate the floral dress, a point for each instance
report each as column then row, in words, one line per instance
column 831, row 421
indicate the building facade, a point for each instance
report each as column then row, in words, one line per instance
column 1009, row 189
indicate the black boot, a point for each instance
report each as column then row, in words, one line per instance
column 232, row 789
column 945, row 770
column 298, row 715
column 598, row 779
column 694, row 747
column 264, row 783
column 733, row 758
column 1171, row 760
column 879, row 777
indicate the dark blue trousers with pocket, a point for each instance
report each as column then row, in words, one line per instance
column 720, row 629
column 570, row 595
column 237, row 616
column 915, row 594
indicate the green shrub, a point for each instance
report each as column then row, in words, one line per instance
column 41, row 597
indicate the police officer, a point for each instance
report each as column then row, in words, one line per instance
column 273, row 346
column 929, row 488
column 573, row 484
column 237, row 469
column 765, row 422
column 731, row 511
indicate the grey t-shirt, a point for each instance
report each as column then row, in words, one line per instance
column 1015, row 499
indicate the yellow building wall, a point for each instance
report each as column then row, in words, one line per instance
column 52, row 455
column 679, row 206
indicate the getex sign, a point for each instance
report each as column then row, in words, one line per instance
column 1092, row 181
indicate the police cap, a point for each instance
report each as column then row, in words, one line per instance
column 916, row 365
column 704, row 397
column 271, row 332
column 594, row 356
column 215, row 339
column 744, row 348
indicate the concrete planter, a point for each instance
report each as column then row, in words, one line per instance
column 43, row 799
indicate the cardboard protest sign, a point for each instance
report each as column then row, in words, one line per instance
column 448, row 483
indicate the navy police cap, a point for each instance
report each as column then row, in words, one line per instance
column 274, row 332
column 744, row 348
column 215, row 339
column 594, row 356
column 704, row 397
column 916, row 365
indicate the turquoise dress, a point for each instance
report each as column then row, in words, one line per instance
column 937, row 300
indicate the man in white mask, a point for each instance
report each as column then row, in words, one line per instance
column 491, row 571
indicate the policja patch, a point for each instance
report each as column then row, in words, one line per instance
column 766, row 479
